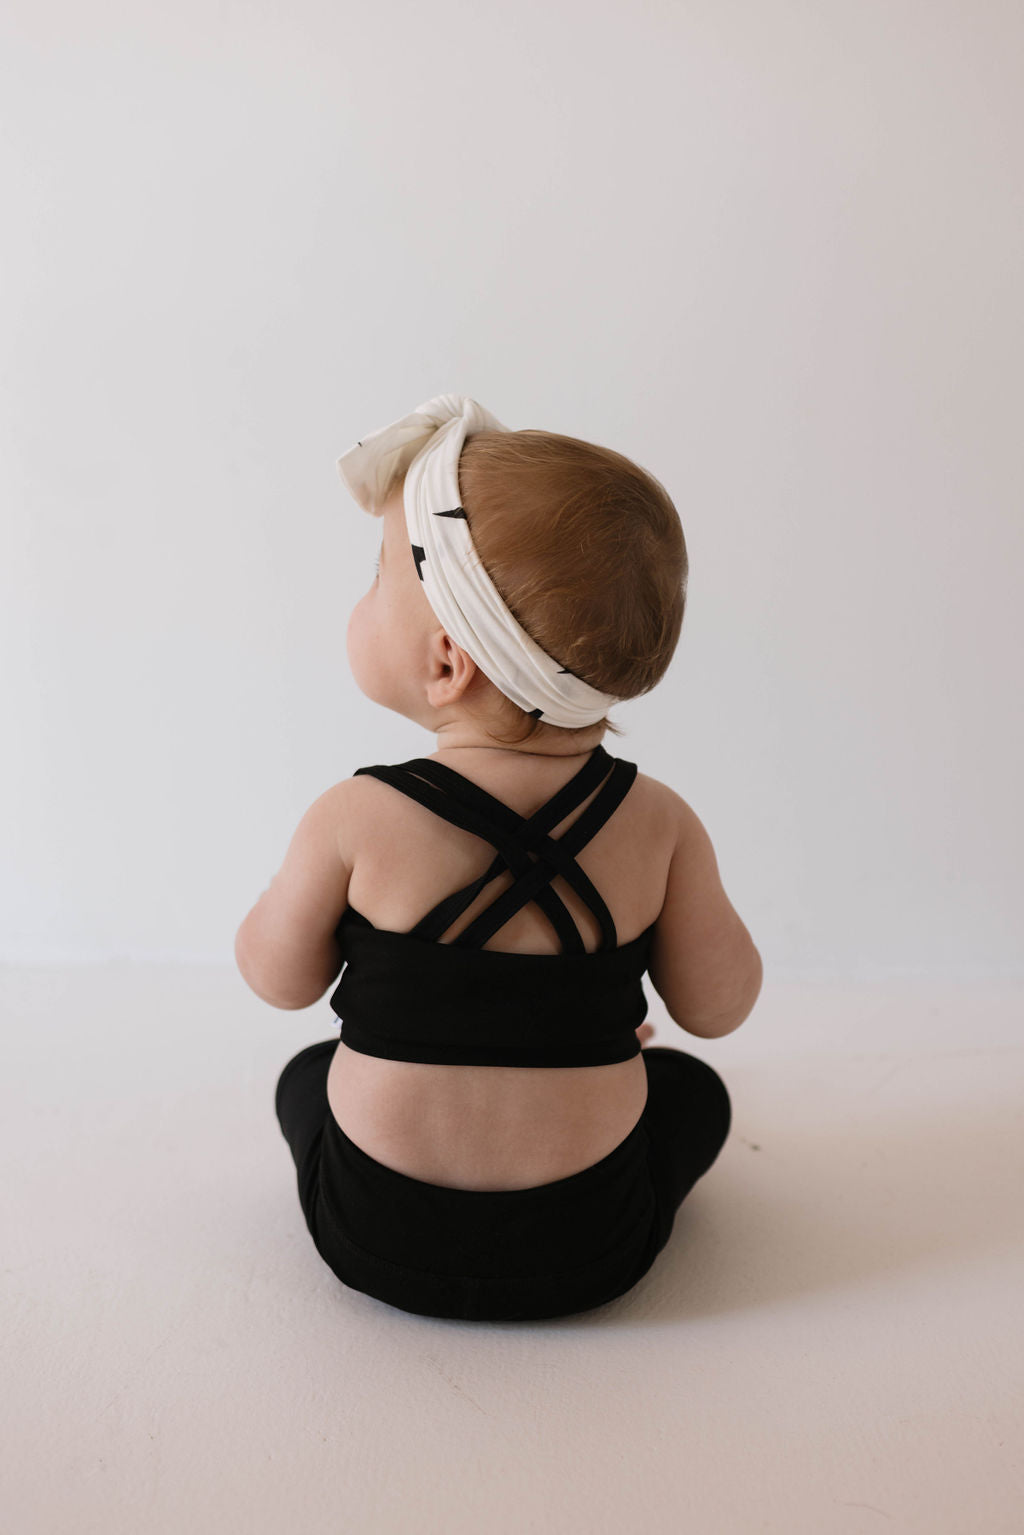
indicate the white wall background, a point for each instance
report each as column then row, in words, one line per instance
column 772, row 251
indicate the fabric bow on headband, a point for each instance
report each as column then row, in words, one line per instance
column 425, row 447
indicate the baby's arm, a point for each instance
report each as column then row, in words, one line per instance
column 286, row 948
column 704, row 964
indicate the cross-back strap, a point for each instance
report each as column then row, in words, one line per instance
column 556, row 857
column 512, row 853
column 467, row 805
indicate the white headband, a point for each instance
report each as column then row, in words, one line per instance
column 425, row 446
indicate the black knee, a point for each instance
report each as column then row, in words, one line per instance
column 705, row 1091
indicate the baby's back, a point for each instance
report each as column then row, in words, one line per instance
column 501, row 1127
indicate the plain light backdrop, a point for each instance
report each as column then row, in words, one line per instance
column 772, row 253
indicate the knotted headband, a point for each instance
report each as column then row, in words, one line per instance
column 425, row 446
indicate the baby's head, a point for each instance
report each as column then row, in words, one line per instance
column 585, row 549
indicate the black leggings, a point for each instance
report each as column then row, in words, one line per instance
column 504, row 1254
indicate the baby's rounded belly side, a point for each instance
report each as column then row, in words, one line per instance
column 484, row 1127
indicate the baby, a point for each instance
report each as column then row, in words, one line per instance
column 487, row 1139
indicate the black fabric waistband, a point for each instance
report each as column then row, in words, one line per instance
column 568, row 1224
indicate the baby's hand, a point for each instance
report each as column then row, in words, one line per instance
column 645, row 1032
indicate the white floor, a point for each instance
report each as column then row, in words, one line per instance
column 831, row 1342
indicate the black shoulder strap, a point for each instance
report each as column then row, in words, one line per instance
column 465, row 804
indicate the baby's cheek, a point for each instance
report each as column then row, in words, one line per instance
column 355, row 636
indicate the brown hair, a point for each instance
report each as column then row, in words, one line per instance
column 586, row 550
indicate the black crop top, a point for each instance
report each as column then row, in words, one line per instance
column 407, row 997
